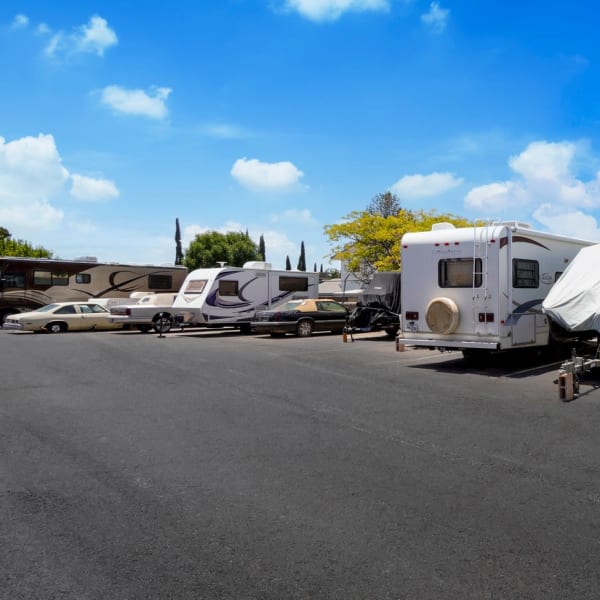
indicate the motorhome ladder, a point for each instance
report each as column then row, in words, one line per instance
column 480, row 289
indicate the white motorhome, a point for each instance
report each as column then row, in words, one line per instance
column 480, row 288
column 230, row 296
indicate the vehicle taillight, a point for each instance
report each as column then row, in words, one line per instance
column 486, row 317
column 411, row 315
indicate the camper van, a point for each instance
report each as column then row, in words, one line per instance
column 230, row 296
column 480, row 289
column 28, row 283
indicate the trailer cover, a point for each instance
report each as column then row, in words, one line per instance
column 574, row 300
column 378, row 305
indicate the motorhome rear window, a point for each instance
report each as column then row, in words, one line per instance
column 526, row 273
column 459, row 273
column 48, row 278
column 160, row 282
column 293, row 284
column 195, row 286
column 228, row 287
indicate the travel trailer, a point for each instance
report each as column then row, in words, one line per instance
column 230, row 296
column 480, row 288
column 28, row 283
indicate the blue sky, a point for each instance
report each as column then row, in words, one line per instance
column 282, row 116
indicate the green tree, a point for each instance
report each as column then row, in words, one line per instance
column 369, row 241
column 302, row 258
column 18, row 247
column 288, row 264
column 208, row 249
column 261, row 248
column 385, row 205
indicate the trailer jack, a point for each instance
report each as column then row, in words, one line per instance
column 570, row 373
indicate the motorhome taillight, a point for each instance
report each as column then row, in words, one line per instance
column 486, row 317
column 411, row 316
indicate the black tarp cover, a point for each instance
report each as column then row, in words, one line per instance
column 379, row 303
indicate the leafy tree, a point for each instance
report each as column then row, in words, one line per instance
column 208, row 249
column 385, row 205
column 368, row 241
column 288, row 264
column 302, row 259
column 12, row 247
column 261, row 248
column 178, row 249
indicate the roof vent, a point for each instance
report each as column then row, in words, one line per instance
column 441, row 226
column 257, row 264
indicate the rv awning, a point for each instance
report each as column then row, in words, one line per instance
column 574, row 300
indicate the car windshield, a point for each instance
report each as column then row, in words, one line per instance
column 46, row 308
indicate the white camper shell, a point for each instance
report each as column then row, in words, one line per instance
column 230, row 296
column 480, row 288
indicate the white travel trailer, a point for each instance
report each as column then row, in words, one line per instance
column 230, row 296
column 480, row 288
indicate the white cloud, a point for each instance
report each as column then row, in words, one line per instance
column 20, row 21
column 94, row 37
column 436, row 18
column 33, row 180
column 544, row 173
column 150, row 104
column 329, row 10
column 573, row 223
column 31, row 174
column 42, row 29
column 412, row 187
column 293, row 215
column 88, row 188
column 257, row 175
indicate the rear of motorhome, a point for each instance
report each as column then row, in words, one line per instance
column 230, row 296
column 480, row 288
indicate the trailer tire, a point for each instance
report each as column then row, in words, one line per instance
column 162, row 322
column 442, row 315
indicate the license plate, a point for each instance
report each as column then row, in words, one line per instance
column 410, row 326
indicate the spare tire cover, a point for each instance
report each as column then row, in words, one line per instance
column 442, row 315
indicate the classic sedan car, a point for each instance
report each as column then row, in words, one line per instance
column 62, row 316
column 301, row 317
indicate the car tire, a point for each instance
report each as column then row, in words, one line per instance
column 56, row 327
column 304, row 328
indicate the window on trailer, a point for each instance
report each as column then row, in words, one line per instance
column 49, row 278
column 13, row 280
column 293, row 284
column 228, row 287
column 83, row 278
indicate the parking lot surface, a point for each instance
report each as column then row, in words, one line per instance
column 209, row 464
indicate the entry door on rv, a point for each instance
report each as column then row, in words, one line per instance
column 526, row 300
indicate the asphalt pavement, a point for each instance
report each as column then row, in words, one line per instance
column 212, row 465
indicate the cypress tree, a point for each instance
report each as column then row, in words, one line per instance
column 302, row 258
column 261, row 248
column 178, row 250
column 288, row 264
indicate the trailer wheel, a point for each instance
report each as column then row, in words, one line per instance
column 304, row 328
column 56, row 327
column 442, row 315
column 162, row 323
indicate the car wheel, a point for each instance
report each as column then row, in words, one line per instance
column 304, row 328
column 144, row 328
column 56, row 327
